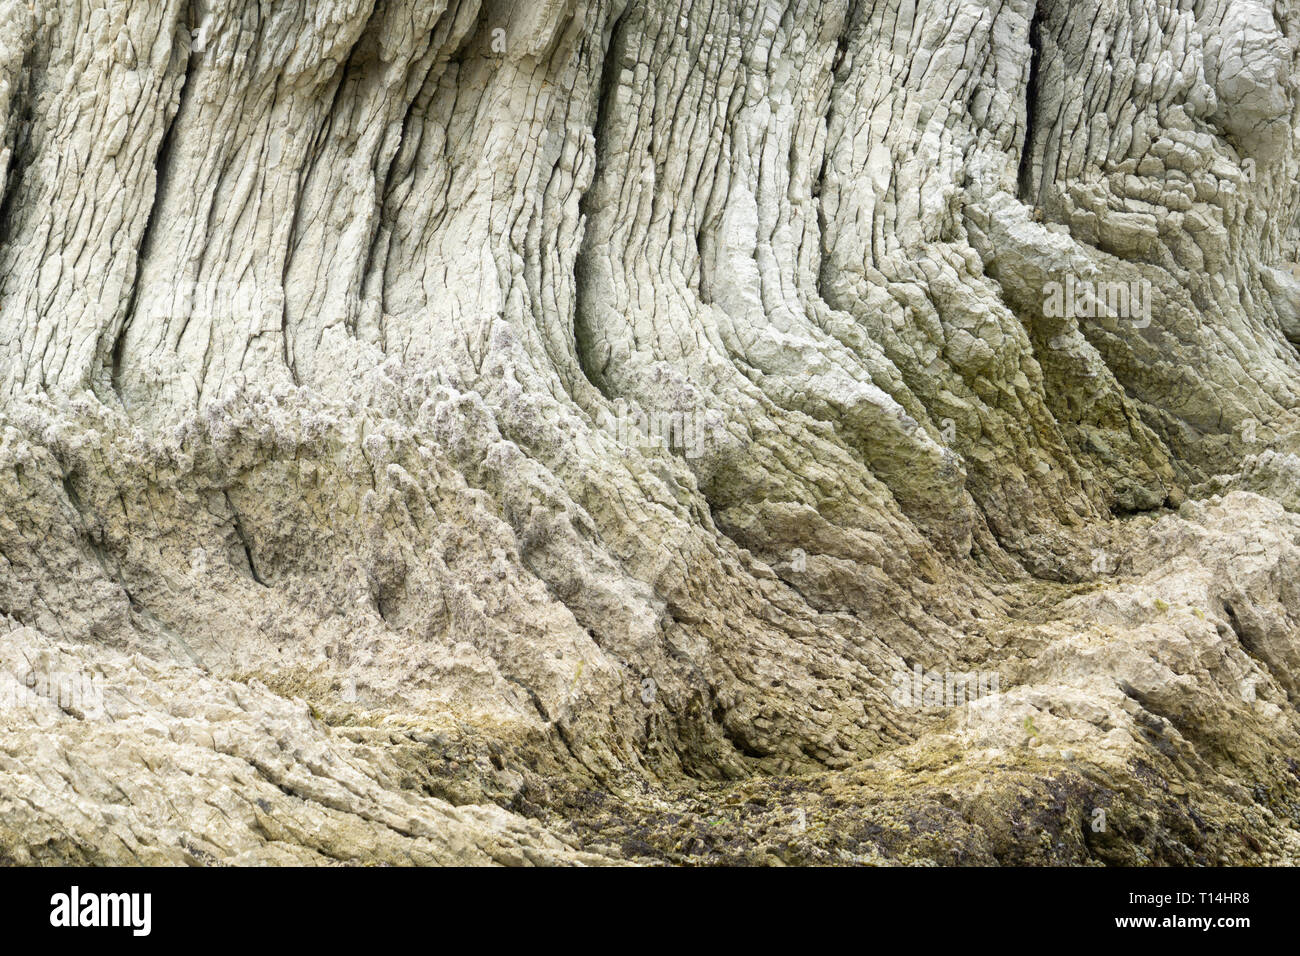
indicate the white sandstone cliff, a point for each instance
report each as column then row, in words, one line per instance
column 545, row 431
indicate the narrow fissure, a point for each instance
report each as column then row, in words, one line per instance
column 1025, row 175
column 161, row 185
column 20, row 156
column 583, row 333
column 242, row 536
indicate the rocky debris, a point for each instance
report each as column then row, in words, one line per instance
column 136, row 761
column 443, row 431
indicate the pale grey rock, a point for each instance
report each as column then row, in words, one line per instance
column 409, row 403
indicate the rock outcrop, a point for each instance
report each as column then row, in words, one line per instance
column 580, row 431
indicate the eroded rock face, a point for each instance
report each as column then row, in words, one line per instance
column 582, row 431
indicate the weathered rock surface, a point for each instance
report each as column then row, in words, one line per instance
column 580, row 431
